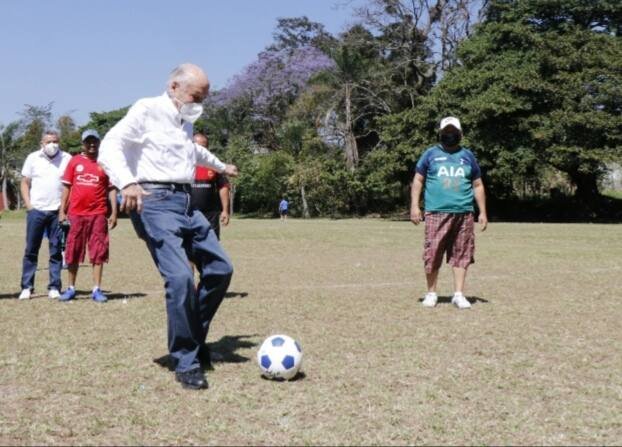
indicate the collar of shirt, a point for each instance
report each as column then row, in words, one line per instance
column 169, row 106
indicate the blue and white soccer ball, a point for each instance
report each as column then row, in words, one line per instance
column 279, row 357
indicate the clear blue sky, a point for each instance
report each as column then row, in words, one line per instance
column 95, row 56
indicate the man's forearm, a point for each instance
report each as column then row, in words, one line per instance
column 480, row 199
column 25, row 190
column 224, row 199
column 112, row 196
column 415, row 193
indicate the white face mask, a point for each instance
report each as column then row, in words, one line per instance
column 191, row 111
column 51, row 149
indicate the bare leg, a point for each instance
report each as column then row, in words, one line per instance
column 98, row 270
column 72, row 274
column 459, row 277
column 432, row 279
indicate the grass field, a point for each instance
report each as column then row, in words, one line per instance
column 537, row 359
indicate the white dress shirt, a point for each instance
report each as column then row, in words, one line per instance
column 45, row 179
column 152, row 144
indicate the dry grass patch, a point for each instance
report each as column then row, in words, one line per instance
column 536, row 361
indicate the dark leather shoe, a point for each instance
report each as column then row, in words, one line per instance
column 193, row 379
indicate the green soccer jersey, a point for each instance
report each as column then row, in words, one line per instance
column 449, row 179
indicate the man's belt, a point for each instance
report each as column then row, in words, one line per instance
column 175, row 187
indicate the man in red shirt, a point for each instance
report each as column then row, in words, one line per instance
column 87, row 192
column 210, row 192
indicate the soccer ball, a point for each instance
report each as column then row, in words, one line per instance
column 279, row 357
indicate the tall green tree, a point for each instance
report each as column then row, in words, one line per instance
column 539, row 83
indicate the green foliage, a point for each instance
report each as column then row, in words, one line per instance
column 535, row 87
column 104, row 121
column 262, row 180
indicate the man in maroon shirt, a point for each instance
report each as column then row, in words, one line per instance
column 86, row 194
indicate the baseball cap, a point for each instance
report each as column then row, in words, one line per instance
column 450, row 121
column 90, row 133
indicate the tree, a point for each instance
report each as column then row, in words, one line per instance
column 8, row 150
column 539, row 83
column 69, row 135
column 269, row 85
column 104, row 121
column 296, row 32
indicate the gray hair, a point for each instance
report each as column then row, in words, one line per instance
column 182, row 74
column 50, row 132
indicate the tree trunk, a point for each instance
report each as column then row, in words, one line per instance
column 305, row 205
column 352, row 152
column 587, row 187
column 5, row 198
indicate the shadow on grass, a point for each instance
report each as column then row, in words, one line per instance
column 110, row 296
column 222, row 351
column 236, row 294
column 446, row 299
column 299, row 376
column 7, row 296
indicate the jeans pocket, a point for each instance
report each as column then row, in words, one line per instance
column 155, row 195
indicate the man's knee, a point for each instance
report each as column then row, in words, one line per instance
column 180, row 281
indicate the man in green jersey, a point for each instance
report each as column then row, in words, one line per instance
column 452, row 179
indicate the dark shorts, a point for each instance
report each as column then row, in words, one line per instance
column 91, row 231
column 450, row 234
column 283, row 212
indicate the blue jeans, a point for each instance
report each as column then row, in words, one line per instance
column 175, row 235
column 37, row 223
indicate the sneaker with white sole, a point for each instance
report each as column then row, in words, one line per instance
column 25, row 295
column 53, row 294
column 460, row 301
column 430, row 299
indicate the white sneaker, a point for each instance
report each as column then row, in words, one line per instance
column 53, row 294
column 460, row 301
column 430, row 299
column 25, row 295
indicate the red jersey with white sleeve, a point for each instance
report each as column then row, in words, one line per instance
column 89, row 186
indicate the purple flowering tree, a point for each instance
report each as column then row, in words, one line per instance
column 274, row 80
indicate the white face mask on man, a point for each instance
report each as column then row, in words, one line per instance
column 51, row 149
column 191, row 111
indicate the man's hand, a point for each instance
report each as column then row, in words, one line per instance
column 224, row 218
column 483, row 221
column 132, row 198
column 415, row 215
column 61, row 216
column 231, row 170
column 112, row 221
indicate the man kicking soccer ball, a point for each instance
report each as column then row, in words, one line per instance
column 452, row 178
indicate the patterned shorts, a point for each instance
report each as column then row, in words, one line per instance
column 448, row 233
column 91, row 231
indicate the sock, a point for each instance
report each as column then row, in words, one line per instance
column 95, row 289
column 71, row 287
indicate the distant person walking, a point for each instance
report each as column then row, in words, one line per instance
column 210, row 192
column 41, row 190
column 283, row 208
column 452, row 178
column 87, row 194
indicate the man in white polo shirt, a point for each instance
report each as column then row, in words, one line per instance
column 41, row 190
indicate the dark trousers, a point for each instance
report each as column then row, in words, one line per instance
column 38, row 223
column 175, row 235
column 213, row 217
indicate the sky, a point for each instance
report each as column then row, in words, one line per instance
column 97, row 56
